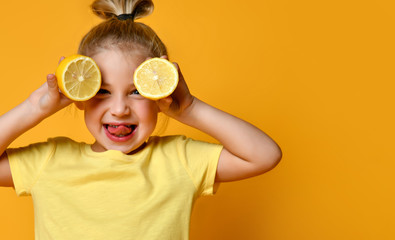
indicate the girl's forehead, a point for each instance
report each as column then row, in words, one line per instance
column 118, row 80
column 118, row 67
column 127, row 54
column 114, row 60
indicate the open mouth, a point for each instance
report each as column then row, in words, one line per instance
column 119, row 131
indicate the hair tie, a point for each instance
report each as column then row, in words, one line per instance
column 125, row 16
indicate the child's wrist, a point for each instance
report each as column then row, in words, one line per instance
column 32, row 112
column 187, row 116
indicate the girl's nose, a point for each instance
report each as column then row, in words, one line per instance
column 119, row 107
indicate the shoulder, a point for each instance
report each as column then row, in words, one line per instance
column 172, row 139
column 66, row 145
column 44, row 147
column 63, row 141
column 180, row 143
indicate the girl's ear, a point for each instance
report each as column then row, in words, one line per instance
column 79, row 105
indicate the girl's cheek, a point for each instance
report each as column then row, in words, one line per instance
column 148, row 111
column 95, row 102
column 147, row 104
column 153, row 107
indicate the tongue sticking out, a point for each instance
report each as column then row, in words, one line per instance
column 119, row 130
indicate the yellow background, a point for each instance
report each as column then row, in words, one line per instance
column 317, row 76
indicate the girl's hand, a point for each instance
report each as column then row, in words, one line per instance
column 247, row 151
column 177, row 104
column 42, row 103
column 48, row 99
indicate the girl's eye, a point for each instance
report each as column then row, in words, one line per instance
column 103, row 91
column 135, row 92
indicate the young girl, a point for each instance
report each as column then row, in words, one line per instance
column 127, row 184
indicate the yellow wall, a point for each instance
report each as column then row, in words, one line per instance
column 318, row 76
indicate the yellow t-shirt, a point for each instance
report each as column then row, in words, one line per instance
column 81, row 194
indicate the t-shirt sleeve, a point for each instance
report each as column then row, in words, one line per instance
column 201, row 160
column 27, row 163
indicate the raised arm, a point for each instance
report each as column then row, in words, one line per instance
column 247, row 152
column 42, row 103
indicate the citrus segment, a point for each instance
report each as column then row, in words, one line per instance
column 156, row 78
column 78, row 77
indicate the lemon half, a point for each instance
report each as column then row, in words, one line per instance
column 78, row 77
column 156, row 78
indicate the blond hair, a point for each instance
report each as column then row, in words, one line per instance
column 126, row 35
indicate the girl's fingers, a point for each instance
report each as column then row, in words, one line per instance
column 51, row 81
column 164, row 104
column 61, row 59
column 53, row 90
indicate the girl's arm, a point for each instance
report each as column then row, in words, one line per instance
column 247, row 152
column 42, row 103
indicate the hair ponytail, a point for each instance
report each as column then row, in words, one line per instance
column 111, row 8
column 122, row 33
